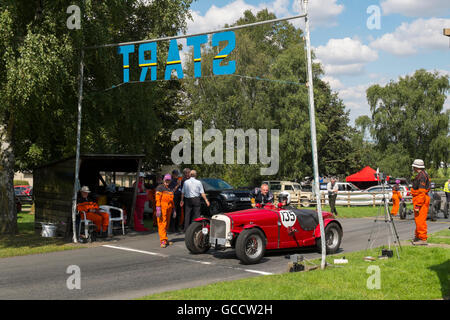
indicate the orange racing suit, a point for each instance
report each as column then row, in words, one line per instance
column 421, row 202
column 164, row 199
column 396, row 197
column 93, row 213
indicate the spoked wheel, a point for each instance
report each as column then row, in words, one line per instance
column 251, row 246
column 333, row 238
column 195, row 240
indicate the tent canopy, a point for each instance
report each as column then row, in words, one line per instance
column 365, row 175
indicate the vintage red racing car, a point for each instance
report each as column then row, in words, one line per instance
column 253, row 231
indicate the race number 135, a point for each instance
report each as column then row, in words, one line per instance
column 288, row 218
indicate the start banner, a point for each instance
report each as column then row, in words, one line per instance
column 173, row 58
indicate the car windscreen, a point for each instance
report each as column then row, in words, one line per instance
column 215, row 184
column 275, row 187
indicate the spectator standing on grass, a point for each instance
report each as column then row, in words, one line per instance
column 396, row 197
column 421, row 201
column 447, row 190
column 191, row 195
column 332, row 189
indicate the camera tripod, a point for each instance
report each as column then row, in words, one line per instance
column 392, row 231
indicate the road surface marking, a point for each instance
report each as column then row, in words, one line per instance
column 138, row 251
column 185, row 259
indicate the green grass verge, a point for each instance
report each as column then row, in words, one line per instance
column 27, row 242
column 421, row 273
column 442, row 237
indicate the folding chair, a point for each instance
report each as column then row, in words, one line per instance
column 115, row 214
column 89, row 227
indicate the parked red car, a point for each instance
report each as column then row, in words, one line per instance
column 253, row 231
column 23, row 189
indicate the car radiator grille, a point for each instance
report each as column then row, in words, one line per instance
column 218, row 229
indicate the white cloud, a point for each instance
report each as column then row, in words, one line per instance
column 279, row 7
column 334, row 83
column 346, row 51
column 356, row 93
column 409, row 38
column 217, row 17
column 355, row 100
column 345, row 56
column 417, row 8
column 322, row 12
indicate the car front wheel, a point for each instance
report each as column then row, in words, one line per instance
column 195, row 240
column 333, row 238
column 251, row 246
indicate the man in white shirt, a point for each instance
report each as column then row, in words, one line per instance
column 332, row 189
column 191, row 193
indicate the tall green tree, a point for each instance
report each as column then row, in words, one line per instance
column 408, row 120
column 39, row 68
column 268, row 91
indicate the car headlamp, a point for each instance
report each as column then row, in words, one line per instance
column 228, row 196
column 230, row 236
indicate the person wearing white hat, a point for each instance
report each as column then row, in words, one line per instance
column 421, row 201
column 86, row 206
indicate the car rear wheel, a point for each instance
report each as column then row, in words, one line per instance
column 333, row 238
column 251, row 246
column 195, row 240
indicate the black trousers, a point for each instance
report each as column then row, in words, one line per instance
column 175, row 222
column 332, row 201
column 191, row 210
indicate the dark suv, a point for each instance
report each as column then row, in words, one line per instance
column 223, row 197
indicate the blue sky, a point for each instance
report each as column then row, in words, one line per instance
column 354, row 56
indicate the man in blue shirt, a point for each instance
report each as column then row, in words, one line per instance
column 191, row 195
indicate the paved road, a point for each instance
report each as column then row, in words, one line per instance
column 134, row 266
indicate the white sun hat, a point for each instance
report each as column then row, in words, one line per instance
column 418, row 163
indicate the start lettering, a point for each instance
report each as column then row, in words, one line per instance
column 173, row 58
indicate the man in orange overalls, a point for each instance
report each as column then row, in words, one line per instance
column 421, row 201
column 165, row 208
column 396, row 197
column 85, row 206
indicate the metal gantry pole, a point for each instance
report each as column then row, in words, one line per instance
column 77, row 157
column 242, row 26
column 312, row 120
